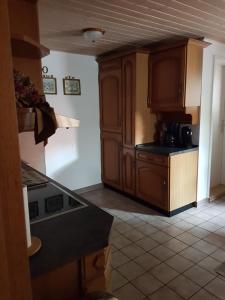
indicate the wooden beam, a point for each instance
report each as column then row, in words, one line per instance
column 14, row 274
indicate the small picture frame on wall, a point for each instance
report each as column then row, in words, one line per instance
column 71, row 86
column 49, row 85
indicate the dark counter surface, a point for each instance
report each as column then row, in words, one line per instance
column 70, row 236
column 164, row 150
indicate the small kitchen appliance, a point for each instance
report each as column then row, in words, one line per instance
column 186, row 134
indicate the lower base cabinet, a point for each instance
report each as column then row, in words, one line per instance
column 91, row 273
column 152, row 184
column 167, row 182
column 111, row 152
column 129, row 171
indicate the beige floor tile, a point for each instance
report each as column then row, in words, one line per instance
column 175, row 245
column 193, row 254
column 147, row 229
column 203, row 295
column 128, row 292
column 117, row 280
column 161, row 237
column 212, row 227
column 205, row 247
column 183, row 286
column 165, row 293
column 135, row 222
column 132, row 251
column 195, row 220
column 162, row 252
column 217, row 288
column 188, row 238
column 133, row 235
column 210, row 264
column 118, row 259
column 179, row 263
column 123, row 227
column 147, row 243
column 131, row 270
column 147, row 284
column 120, row 242
column 147, row 261
column 199, row 232
column 172, row 230
column 199, row 275
column 219, row 255
column 184, row 225
column 164, row 273
column 215, row 239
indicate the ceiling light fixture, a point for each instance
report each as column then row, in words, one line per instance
column 93, row 34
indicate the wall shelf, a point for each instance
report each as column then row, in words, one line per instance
column 26, row 120
column 24, row 46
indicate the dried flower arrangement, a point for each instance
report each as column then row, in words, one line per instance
column 27, row 96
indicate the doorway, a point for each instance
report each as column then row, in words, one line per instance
column 217, row 172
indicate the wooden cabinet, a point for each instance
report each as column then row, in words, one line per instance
column 125, row 117
column 110, row 83
column 111, row 153
column 167, row 182
column 96, row 271
column 129, row 170
column 175, row 76
column 167, row 79
column 91, row 273
column 129, row 88
column 152, row 184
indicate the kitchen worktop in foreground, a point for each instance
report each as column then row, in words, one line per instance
column 164, row 150
column 70, row 236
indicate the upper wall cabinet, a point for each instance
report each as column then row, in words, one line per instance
column 175, row 75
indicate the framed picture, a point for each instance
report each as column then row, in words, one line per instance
column 49, row 85
column 71, row 86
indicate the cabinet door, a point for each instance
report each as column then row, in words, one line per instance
column 110, row 83
column 152, row 184
column 112, row 159
column 129, row 171
column 129, row 94
column 167, row 79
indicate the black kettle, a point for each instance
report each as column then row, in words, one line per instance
column 186, row 134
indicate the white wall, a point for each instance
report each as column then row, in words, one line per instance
column 31, row 153
column 215, row 50
column 73, row 156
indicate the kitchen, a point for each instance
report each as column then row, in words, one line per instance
column 203, row 108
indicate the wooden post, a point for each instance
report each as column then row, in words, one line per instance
column 14, row 268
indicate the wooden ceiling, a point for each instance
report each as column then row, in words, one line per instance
column 127, row 22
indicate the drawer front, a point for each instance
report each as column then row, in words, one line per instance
column 153, row 158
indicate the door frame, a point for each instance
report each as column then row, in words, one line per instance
column 218, row 60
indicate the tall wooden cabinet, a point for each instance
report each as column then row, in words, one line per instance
column 125, row 117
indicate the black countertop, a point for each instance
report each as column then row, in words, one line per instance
column 70, row 236
column 164, row 150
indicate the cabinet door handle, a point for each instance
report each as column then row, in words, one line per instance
column 164, row 182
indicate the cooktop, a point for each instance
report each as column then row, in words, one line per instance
column 48, row 200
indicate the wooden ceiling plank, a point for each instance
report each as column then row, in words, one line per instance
column 159, row 18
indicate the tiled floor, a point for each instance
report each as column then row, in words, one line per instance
column 156, row 257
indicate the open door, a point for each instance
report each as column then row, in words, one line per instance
column 14, row 267
column 217, row 176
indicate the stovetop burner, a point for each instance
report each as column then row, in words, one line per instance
column 47, row 200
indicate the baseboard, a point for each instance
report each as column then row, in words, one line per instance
column 89, row 188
